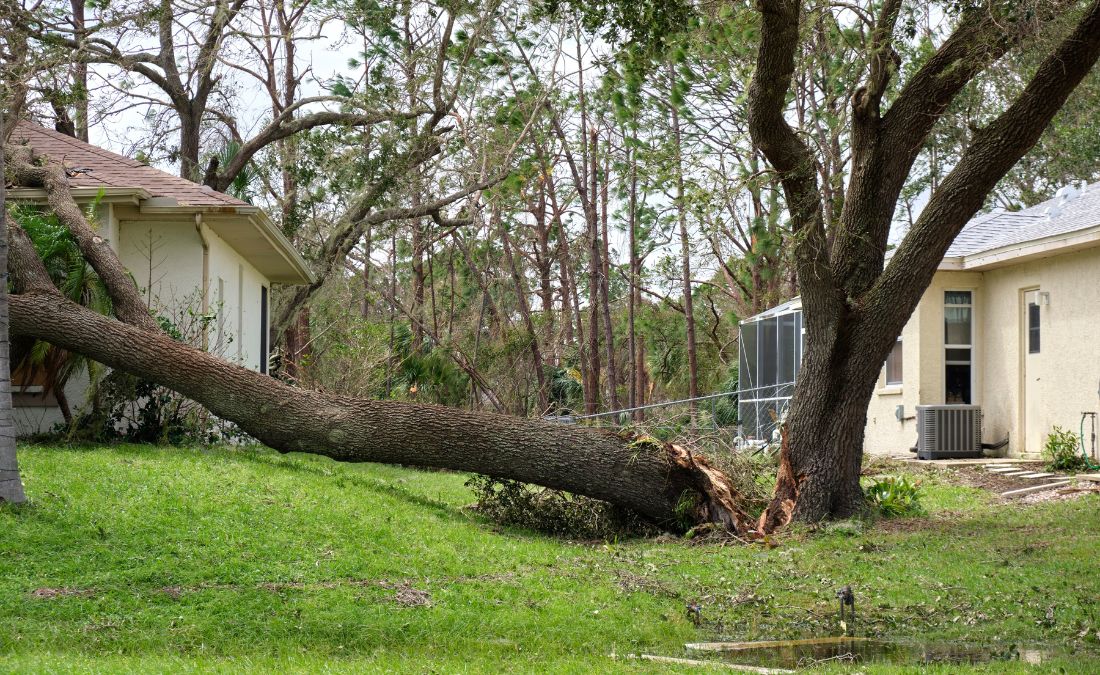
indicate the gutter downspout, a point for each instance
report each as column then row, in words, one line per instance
column 200, row 229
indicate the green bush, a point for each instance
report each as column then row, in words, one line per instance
column 894, row 497
column 1063, row 451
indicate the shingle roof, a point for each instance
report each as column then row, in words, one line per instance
column 108, row 169
column 1073, row 208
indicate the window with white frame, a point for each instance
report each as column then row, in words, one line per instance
column 958, row 342
column 894, row 365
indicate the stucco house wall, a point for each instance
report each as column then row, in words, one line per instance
column 1023, row 396
column 192, row 252
column 166, row 259
column 235, row 290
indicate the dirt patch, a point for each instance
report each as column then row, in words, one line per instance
column 630, row 582
column 941, row 522
column 1060, row 494
column 979, row 477
column 407, row 596
column 982, row 478
column 173, row 592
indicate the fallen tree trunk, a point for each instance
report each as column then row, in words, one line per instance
column 661, row 482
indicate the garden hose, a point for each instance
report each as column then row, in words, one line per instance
column 1084, row 452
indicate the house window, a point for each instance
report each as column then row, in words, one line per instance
column 29, row 380
column 263, row 330
column 893, row 364
column 958, row 320
column 1032, row 327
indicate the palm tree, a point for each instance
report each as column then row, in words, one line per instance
column 80, row 284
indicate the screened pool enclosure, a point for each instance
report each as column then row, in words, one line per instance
column 770, row 357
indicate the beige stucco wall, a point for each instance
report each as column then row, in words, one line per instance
column 238, row 320
column 1065, row 375
column 166, row 258
column 922, row 366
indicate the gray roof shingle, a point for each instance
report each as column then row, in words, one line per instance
column 1073, row 208
column 112, row 170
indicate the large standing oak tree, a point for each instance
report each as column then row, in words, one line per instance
column 854, row 303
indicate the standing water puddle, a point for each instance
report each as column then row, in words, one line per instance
column 804, row 653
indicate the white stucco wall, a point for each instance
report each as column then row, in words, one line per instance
column 166, row 258
column 238, row 310
column 37, row 417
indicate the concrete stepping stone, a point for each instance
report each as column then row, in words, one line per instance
column 1034, row 488
column 1036, row 475
column 1005, row 469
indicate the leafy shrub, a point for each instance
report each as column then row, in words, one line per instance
column 894, row 497
column 553, row 511
column 130, row 409
column 1063, row 451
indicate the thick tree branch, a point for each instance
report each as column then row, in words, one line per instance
column 25, row 268
column 994, row 150
column 885, row 148
column 129, row 306
column 791, row 157
column 286, row 125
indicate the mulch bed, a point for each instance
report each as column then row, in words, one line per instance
column 979, row 477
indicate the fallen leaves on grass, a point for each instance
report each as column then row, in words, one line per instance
column 1059, row 495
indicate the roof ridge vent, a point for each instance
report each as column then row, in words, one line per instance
column 1064, row 195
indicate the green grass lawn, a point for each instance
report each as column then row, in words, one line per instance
column 139, row 559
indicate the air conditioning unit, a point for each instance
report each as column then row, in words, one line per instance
column 949, row 431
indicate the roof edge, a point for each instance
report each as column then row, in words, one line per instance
column 112, row 195
column 267, row 228
column 260, row 220
column 1045, row 247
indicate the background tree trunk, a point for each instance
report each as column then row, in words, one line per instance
column 11, row 485
column 685, row 262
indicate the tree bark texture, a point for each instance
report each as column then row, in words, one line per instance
column 11, row 484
